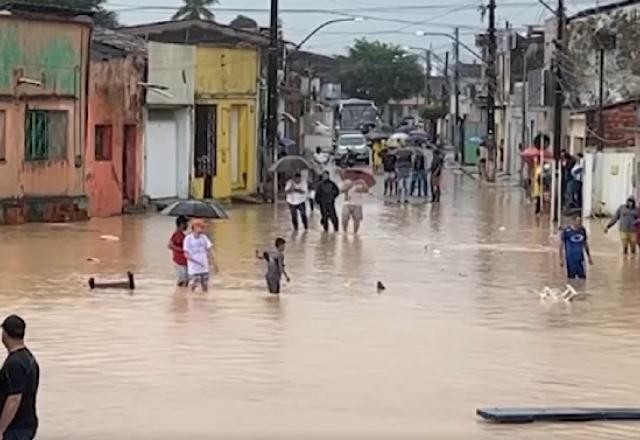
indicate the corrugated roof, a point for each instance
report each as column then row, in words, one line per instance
column 120, row 41
column 195, row 31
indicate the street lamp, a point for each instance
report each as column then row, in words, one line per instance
column 451, row 37
column 324, row 25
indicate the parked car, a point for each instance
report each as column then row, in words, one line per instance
column 354, row 143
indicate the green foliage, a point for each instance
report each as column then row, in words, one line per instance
column 434, row 111
column 195, row 10
column 380, row 71
column 101, row 16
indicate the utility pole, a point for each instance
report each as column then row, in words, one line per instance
column 427, row 78
column 491, row 93
column 272, row 91
column 557, row 112
column 456, row 91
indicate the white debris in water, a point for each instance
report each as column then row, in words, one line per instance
column 109, row 238
column 502, row 228
column 555, row 295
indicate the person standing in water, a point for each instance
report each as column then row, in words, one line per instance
column 297, row 191
column 326, row 193
column 353, row 199
column 573, row 247
column 275, row 266
column 389, row 168
column 176, row 245
column 627, row 216
column 197, row 250
column 19, row 381
column 436, row 173
column 404, row 160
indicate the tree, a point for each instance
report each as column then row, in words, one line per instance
column 101, row 16
column 380, row 71
column 195, row 10
column 243, row 22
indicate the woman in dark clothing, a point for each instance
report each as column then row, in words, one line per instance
column 326, row 193
column 436, row 171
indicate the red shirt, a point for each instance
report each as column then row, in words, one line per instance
column 177, row 239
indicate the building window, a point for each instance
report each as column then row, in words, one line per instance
column 3, row 148
column 103, row 142
column 45, row 135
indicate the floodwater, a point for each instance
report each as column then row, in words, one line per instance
column 459, row 326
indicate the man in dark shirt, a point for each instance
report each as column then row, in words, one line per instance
column 19, row 380
column 419, row 176
column 389, row 167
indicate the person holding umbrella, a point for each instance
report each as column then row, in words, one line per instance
column 354, row 192
column 326, row 193
column 296, row 191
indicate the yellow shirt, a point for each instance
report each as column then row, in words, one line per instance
column 536, row 185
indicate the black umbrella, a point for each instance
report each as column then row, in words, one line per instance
column 291, row 165
column 196, row 209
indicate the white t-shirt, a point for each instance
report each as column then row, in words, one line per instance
column 296, row 198
column 196, row 249
column 321, row 158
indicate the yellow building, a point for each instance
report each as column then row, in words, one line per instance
column 226, row 107
column 227, row 100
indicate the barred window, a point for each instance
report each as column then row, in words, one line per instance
column 45, row 134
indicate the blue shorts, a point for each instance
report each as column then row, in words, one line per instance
column 575, row 270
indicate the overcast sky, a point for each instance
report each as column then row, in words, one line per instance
column 401, row 27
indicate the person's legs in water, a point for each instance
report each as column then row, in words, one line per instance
column 575, row 270
column 356, row 213
column 345, row 217
column 293, row 209
column 273, row 284
column 324, row 217
column 333, row 216
column 302, row 207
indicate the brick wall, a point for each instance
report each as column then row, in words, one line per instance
column 617, row 120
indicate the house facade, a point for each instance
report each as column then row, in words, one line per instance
column 224, row 65
column 114, row 150
column 43, row 101
column 170, row 120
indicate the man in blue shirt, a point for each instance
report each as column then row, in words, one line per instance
column 573, row 247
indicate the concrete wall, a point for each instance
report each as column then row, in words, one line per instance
column 173, row 66
column 115, row 101
column 622, row 64
column 223, row 71
column 48, row 51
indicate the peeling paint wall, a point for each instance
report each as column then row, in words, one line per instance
column 55, row 53
column 115, row 101
column 622, row 63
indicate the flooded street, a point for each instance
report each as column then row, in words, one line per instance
column 459, row 326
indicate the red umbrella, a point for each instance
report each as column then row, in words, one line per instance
column 359, row 174
column 530, row 153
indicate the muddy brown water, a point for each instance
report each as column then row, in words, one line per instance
column 459, row 326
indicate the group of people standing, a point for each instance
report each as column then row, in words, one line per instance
column 324, row 195
column 412, row 171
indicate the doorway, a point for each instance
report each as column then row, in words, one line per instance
column 204, row 158
column 129, row 174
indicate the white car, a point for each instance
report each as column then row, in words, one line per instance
column 355, row 143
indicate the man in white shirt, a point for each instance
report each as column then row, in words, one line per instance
column 321, row 158
column 297, row 194
column 197, row 250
